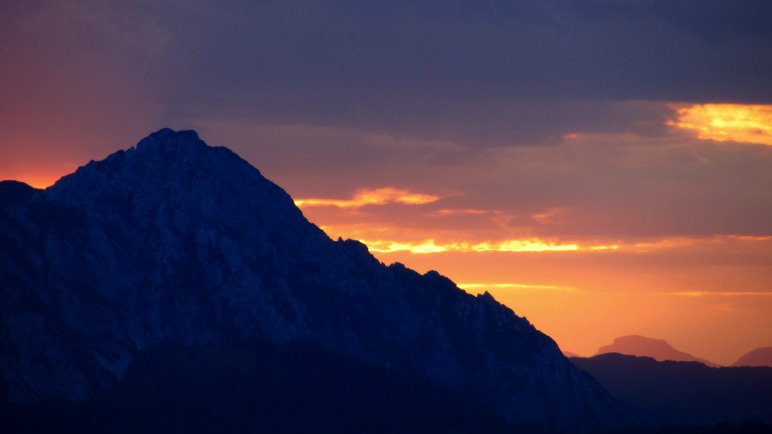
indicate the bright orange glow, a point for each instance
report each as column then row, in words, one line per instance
column 387, row 239
column 40, row 183
column 605, row 247
column 538, row 245
column 727, row 122
column 378, row 196
column 447, row 212
column 430, row 246
column 480, row 287
column 37, row 181
column 39, row 177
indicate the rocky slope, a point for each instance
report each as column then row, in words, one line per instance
column 175, row 241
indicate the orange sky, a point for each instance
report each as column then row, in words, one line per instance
column 709, row 294
column 598, row 236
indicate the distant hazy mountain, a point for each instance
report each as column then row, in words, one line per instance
column 657, row 349
column 758, row 357
column 177, row 255
column 684, row 393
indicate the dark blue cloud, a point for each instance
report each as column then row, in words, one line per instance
column 465, row 50
column 494, row 72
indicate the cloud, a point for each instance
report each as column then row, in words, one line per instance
column 488, row 74
column 512, row 246
column 741, row 123
column 368, row 197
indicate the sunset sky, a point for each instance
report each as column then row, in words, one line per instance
column 603, row 168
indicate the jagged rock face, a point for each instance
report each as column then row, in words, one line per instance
column 177, row 241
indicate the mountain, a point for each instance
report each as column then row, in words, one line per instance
column 758, row 357
column 259, row 387
column 657, row 349
column 176, row 244
column 684, row 393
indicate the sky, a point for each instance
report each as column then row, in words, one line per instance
column 604, row 168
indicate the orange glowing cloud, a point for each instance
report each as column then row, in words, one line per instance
column 726, row 122
column 430, row 246
column 378, row 196
column 479, row 287
column 453, row 212
column 685, row 242
column 379, row 243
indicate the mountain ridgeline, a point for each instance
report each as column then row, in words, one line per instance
column 177, row 251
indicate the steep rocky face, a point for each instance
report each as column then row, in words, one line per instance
column 176, row 241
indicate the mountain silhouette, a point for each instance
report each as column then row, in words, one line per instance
column 684, row 393
column 758, row 357
column 176, row 244
column 657, row 349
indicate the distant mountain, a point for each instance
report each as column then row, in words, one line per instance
column 684, row 393
column 758, row 357
column 657, row 349
column 175, row 244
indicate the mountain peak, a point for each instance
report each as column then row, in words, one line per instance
column 174, row 241
column 167, row 137
column 163, row 150
column 166, row 162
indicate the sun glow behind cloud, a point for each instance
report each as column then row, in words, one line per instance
column 536, row 245
column 377, row 196
column 430, row 246
column 726, row 122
